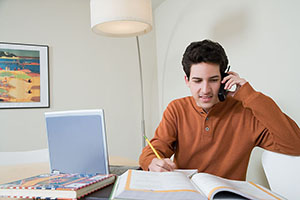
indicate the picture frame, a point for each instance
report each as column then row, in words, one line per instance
column 24, row 76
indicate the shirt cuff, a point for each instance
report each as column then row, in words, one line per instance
column 244, row 93
column 144, row 163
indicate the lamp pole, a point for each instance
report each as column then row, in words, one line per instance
column 123, row 18
column 142, row 92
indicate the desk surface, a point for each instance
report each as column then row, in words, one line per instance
column 102, row 194
column 10, row 173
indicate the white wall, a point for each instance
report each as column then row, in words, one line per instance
column 87, row 71
column 261, row 39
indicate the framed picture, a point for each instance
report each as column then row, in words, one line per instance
column 24, row 78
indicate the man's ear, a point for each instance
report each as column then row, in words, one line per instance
column 187, row 81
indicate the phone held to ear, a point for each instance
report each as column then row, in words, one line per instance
column 222, row 92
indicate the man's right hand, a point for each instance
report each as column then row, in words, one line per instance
column 161, row 165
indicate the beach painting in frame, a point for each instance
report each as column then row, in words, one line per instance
column 24, row 81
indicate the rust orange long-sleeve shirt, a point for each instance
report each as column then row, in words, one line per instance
column 220, row 141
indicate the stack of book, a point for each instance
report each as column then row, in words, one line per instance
column 56, row 186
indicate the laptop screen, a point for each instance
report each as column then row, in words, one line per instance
column 77, row 141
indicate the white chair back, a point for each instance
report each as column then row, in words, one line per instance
column 283, row 174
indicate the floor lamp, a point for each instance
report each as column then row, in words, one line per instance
column 123, row 18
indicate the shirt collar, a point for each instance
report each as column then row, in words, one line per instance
column 215, row 109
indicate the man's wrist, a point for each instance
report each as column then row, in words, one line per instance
column 244, row 92
column 243, row 82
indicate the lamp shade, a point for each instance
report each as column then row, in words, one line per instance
column 121, row 18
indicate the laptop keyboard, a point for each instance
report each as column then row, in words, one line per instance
column 120, row 169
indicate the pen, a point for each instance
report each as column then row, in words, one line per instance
column 152, row 147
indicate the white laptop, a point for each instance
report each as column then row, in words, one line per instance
column 77, row 141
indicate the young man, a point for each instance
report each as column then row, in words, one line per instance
column 216, row 136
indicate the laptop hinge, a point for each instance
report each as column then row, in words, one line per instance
column 54, row 171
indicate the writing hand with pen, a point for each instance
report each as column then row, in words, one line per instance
column 158, row 164
column 162, row 165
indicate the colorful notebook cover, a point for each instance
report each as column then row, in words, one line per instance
column 56, row 186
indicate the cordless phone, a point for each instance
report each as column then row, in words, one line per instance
column 222, row 92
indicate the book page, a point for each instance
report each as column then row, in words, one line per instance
column 211, row 185
column 136, row 184
column 188, row 172
column 160, row 181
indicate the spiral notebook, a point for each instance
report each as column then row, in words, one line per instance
column 77, row 141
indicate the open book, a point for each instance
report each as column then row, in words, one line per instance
column 135, row 184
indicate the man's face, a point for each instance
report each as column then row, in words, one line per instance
column 204, row 83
